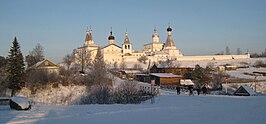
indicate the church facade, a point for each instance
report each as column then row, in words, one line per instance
column 155, row 51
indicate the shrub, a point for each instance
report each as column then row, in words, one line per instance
column 259, row 63
column 126, row 93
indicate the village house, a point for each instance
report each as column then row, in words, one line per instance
column 129, row 74
column 45, row 65
column 174, row 70
column 165, row 79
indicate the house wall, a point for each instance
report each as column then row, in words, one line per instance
column 170, row 81
column 166, row 80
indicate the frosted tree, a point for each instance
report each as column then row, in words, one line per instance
column 98, row 74
column 68, row 59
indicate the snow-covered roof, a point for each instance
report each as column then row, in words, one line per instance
column 186, row 82
column 131, row 71
column 248, row 90
column 164, row 75
column 40, row 62
column 37, row 64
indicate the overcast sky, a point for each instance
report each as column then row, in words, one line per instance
column 200, row 27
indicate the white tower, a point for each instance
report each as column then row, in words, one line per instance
column 127, row 47
column 89, row 40
column 155, row 36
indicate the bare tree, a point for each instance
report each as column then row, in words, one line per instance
column 36, row 55
column 227, row 51
column 82, row 57
column 143, row 59
column 137, row 67
column 217, row 80
column 238, row 51
column 123, row 65
column 115, row 66
column 68, row 59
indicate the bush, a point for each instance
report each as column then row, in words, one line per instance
column 259, row 63
column 126, row 93
column 100, row 94
column 40, row 79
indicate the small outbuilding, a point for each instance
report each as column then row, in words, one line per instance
column 165, row 78
column 244, row 91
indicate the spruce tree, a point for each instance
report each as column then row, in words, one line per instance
column 15, row 67
column 98, row 72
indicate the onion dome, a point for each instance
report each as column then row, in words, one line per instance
column 111, row 37
column 169, row 29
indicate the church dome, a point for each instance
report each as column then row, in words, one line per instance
column 169, row 29
column 111, row 37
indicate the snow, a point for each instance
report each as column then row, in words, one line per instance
column 164, row 75
column 62, row 95
column 239, row 73
column 186, row 82
column 168, row 108
column 22, row 101
column 4, row 98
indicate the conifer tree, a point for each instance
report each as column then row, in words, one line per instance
column 201, row 76
column 98, row 72
column 15, row 67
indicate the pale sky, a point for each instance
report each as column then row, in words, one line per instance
column 200, row 27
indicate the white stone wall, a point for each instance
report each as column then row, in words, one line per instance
column 112, row 54
column 212, row 57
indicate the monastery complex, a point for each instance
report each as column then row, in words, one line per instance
column 155, row 51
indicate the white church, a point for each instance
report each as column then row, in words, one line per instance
column 155, row 51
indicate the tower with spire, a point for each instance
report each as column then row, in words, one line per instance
column 155, row 45
column 88, row 39
column 127, row 46
column 169, row 44
column 155, row 36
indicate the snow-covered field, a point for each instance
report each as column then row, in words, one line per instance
column 168, row 108
column 49, row 105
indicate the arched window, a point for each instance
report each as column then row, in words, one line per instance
column 125, row 46
column 128, row 46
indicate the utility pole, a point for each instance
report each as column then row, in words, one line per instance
column 256, row 81
column 226, row 81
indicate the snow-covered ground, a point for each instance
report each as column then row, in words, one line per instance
column 49, row 105
column 168, row 108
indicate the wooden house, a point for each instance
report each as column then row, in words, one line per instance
column 45, row 65
column 143, row 77
column 174, row 70
column 130, row 74
column 165, row 78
